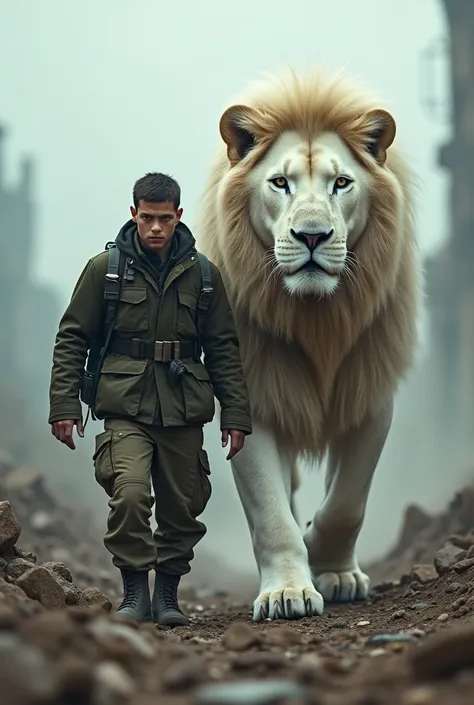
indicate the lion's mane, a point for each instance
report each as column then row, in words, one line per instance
column 316, row 366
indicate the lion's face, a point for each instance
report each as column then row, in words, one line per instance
column 308, row 197
column 309, row 201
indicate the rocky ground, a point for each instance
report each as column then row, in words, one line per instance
column 61, row 643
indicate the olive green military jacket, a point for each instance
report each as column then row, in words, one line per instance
column 141, row 389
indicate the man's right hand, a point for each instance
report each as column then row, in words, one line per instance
column 62, row 430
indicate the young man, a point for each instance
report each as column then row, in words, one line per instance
column 153, row 392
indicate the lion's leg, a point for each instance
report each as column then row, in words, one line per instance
column 332, row 535
column 294, row 486
column 263, row 479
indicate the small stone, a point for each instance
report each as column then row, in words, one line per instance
column 42, row 521
column 240, row 636
column 453, row 587
column 140, row 642
column 383, row 639
column 461, row 541
column 424, row 695
column 447, row 557
column 26, row 555
column 399, row 614
column 461, row 612
column 39, row 584
column 10, row 528
column 424, row 573
column 470, row 553
column 282, row 636
column 25, row 674
column 310, row 669
column 249, row 692
column 94, row 596
column 416, row 632
column 17, row 567
column 377, row 652
column 339, row 623
column 8, row 618
column 363, row 623
column 113, row 684
column 460, row 602
column 443, row 617
column 419, row 606
column 59, row 569
column 184, row 675
column 73, row 595
column 444, row 654
column 396, row 647
column 249, row 660
column 75, row 679
column 462, row 566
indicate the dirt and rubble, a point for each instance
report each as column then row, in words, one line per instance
column 61, row 642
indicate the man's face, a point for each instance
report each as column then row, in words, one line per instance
column 156, row 223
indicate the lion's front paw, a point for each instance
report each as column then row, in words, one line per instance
column 346, row 586
column 288, row 603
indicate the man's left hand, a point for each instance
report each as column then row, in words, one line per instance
column 236, row 441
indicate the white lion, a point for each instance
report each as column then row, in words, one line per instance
column 308, row 212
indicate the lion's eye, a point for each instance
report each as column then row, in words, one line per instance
column 342, row 182
column 280, row 182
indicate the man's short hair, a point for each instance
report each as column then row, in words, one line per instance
column 156, row 188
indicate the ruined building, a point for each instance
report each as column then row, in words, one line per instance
column 450, row 274
column 29, row 311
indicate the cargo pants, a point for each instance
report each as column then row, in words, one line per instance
column 128, row 459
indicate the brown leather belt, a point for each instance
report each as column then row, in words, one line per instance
column 159, row 351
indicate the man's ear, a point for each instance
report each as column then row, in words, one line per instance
column 378, row 131
column 179, row 213
column 133, row 212
column 235, row 127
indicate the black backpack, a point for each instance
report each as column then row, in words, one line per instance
column 116, row 268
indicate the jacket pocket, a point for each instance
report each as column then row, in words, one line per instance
column 187, row 314
column 103, row 462
column 120, row 388
column 203, row 487
column 132, row 310
column 198, row 394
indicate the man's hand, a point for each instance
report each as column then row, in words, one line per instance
column 236, row 441
column 62, row 430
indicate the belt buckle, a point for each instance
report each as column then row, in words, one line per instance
column 158, row 356
column 167, row 351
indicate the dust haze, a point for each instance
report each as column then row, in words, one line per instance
column 95, row 94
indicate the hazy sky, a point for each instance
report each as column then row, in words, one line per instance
column 101, row 91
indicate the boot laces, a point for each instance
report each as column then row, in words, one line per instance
column 168, row 593
column 132, row 593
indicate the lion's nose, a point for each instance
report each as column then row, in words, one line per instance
column 311, row 240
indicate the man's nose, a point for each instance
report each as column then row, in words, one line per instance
column 156, row 228
column 312, row 240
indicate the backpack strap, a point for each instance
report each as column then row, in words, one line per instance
column 204, row 295
column 111, row 297
column 112, row 285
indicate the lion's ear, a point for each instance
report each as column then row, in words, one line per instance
column 378, row 133
column 236, row 130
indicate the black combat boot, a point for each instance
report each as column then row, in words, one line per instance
column 136, row 601
column 165, row 601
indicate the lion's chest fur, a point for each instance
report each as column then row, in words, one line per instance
column 291, row 382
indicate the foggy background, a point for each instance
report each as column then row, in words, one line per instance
column 95, row 94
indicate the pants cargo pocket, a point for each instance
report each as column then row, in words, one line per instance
column 203, row 487
column 103, row 462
